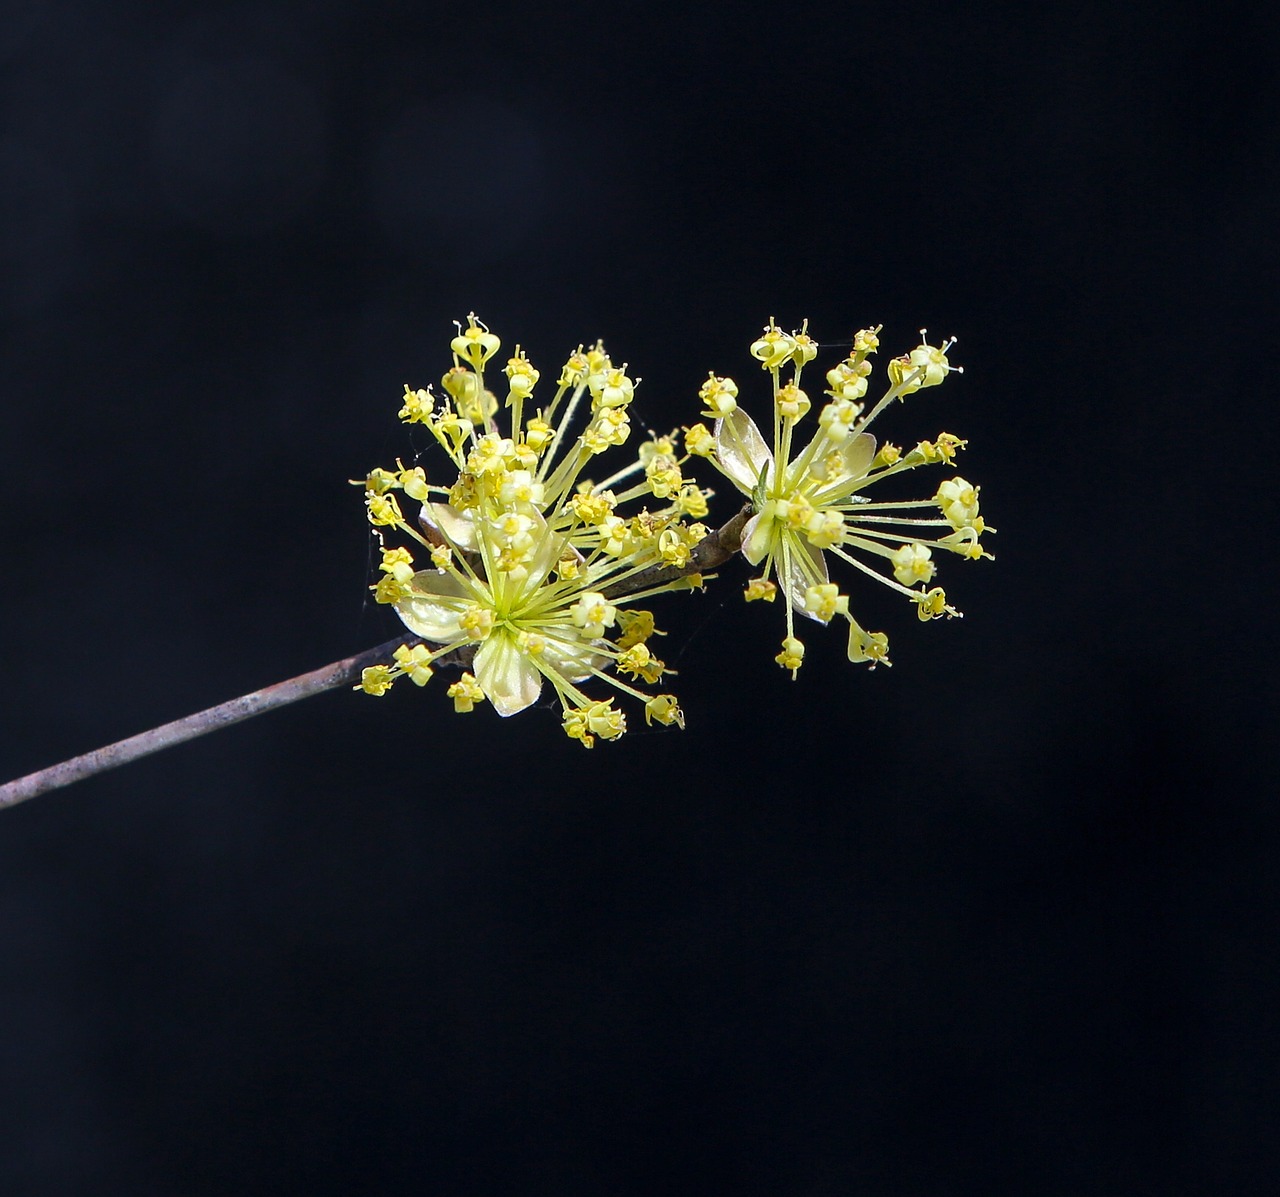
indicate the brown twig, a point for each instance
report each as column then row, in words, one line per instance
column 344, row 672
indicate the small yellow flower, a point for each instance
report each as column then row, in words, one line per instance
column 692, row 501
column 663, row 474
column 417, row 407
column 521, row 375
column 611, row 388
column 476, row 621
column 398, row 563
column 414, row 483
column 389, row 590
column 698, row 441
column 378, row 482
column 375, row 680
column 792, row 654
column 637, row 661
column 637, row 627
column 465, row 692
column 912, row 564
column 664, row 709
column 597, row 719
column 384, row 511
column 719, row 397
column 924, row 366
column 414, row 663
column 475, row 344
column 462, row 385
column 959, row 503
column 792, row 403
column 824, row 602
column 933, row 605
column 593, row 613
column 774, row 348
column 871, row 648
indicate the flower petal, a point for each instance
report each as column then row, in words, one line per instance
column 458, row 527
column 506, row 675
column 808, row 567
column 573, row 661
column 546, row 555
column 433, row 609
column 757, row 538
column 858, row 453
column 740, row 450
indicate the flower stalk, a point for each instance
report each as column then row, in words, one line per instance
column 328, row 677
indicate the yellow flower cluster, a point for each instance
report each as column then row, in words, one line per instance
column 521, row 566
column 527, row 572
column 807, row 498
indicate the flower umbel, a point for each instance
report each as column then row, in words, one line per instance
column 807, row 497
column 531, row 570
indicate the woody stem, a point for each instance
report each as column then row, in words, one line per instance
column 344, row 672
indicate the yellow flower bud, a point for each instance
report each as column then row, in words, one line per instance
column 792, row 654
column 375, row 680
column 475, row 343
column 773, row 347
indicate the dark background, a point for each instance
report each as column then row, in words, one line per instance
column 1000, row 919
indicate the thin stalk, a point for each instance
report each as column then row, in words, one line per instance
column 344, row 672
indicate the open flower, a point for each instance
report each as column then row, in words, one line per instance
column 532, row 571
column 807, row 497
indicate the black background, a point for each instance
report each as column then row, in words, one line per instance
column 1000, row 919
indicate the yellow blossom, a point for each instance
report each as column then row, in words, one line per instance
column 398, row 563
column 375, row 680
column 414, row 482
column 933, row 605
column 663, row 709
column 792, row 654
column 637, row 627
column 390, row 590
column 924, row 366
column 719, row 397
column 384, row 511
column 773, row 348
column 414, row 663
column 911, row 564
column 691, row 501
column 417, row 407
column 521, row 375
column 475, row 344
column 871, row 648
column 462, row 385
column 465, row 692
column 698, row 441
column 593, row 613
